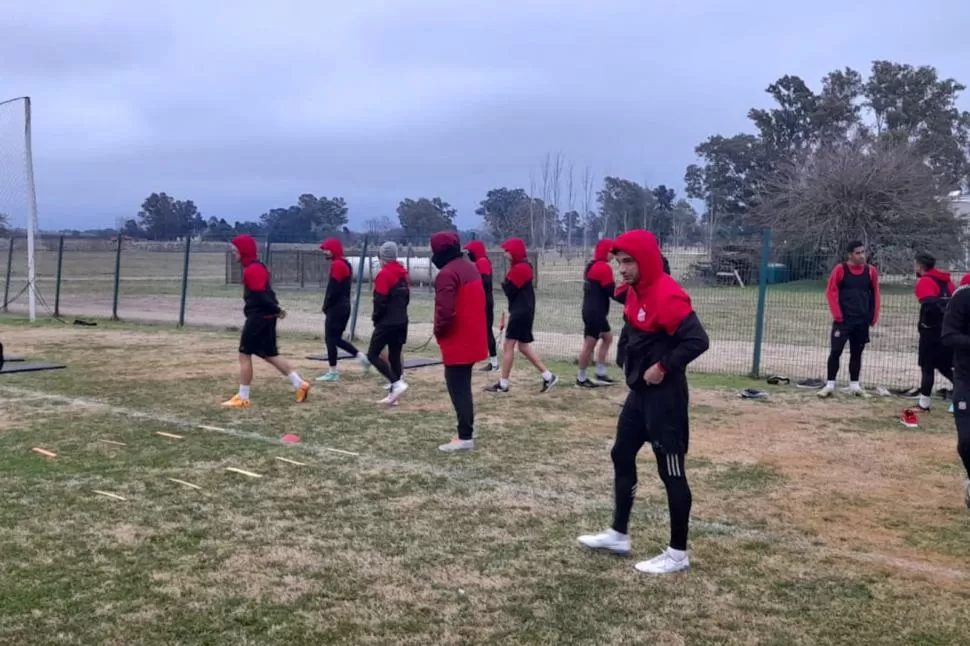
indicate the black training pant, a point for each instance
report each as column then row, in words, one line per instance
column 333, row 333
column 961, row 417
column 489, row 324
column 458, row 379
column 933, row 356
column 392, row 338
column 857, row 336
column 631, row 435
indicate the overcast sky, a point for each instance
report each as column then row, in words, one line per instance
column 243, row 109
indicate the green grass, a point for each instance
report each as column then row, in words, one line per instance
column 791, row 542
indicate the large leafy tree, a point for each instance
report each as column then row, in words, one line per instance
column 506, row 213
column 310, row 219
column 422, row 217
column 162, row 217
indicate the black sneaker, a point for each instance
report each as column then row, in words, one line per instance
column 604, row 379
column 586, row 383
column 547, row 385
column 488, row 367
column 497, row 388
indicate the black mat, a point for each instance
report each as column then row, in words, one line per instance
column 409, row 362
column 14, row 358
column 10, row 368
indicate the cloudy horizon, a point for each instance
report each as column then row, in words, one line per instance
column 242, row 111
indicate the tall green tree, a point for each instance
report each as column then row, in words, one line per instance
column 4, row 224
column 422, row 217
column 506, row 213
column 162, row 217
column 309, row 219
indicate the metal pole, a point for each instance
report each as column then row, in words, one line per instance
column 185, row 280
column 32, row 218
column 57, row 288
column 360, row 284
column 114, row 307
column 759, row 324
column 6, row 284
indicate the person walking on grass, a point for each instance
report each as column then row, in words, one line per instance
column 955, row 335
column 664, row 337
column 853, row 297
column 520, row 292
column 598, row 288
column 392, row 294
column 933, row 291
column 336, row 309
column 459, row 328
column 479, row 255
column 261, row 310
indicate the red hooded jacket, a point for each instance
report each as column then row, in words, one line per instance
column 258, row 296
column 598, row 284
column 476, row 248
column 392, row 294
column 337, row 298
column 932, row 299
column 459, row 303
column 518, row 284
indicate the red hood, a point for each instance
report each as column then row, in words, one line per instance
column 602, row 251
column 937, row 274
column 247, row 248
column 334, row 246
column 965, row 280
column 395, row 269
column 477, row 249
column 443, row 240
column 642, row 246
column 516, row 249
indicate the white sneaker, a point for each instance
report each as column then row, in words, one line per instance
column 387, row 401
column 664, row 563
column 396, row 391
column 858, row 392
column 457, row 445
column 826, row 391
column 610, row 540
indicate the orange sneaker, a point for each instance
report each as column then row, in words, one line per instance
column 236, row 402
column 302, row 392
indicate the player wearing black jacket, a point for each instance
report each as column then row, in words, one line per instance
column 956, row 336
column 598, row 289
column 336, row 309
column 664, row 336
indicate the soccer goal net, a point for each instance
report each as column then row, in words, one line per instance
column 18, row 209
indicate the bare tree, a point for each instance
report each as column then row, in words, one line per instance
column 532, row 213
column 571, row 206
column 587, row 205
column 881, row 193
column 378, row 227
column 557, row 166
column 546, row 169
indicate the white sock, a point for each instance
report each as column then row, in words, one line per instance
column 677, row 555
column 616, row 533
column 924, row 401
column 600, row 369
column 547, row 376
column 295, row 379
column 854, row 385
column 244, row 392
column 504, row 383
column 333, row 370
column 493, row 361
column 582, row 375
column 830, row 384
column 398, row 384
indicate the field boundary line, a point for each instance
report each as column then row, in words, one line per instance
column 654, row 513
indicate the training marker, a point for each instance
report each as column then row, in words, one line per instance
column 245, row 473
column 212, row 428
column 44, row 452
column 113, row 442
column 299, row 464
column 183, row 482
column 171, row 435
column 109, row 495
column 343, row 452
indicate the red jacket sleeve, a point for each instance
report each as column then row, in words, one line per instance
column 255, row 277
column 601, row 273
column 832, row 293
column 926, row 287
column 874, row 277
column 446, row 286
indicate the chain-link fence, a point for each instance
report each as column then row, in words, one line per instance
column 763, row 303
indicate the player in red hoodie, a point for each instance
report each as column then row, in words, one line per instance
column 261, row 310
column 459, row 327
column 933, row 291
column 598, row 290
column 853, row 296
column 479, row 255
column 336, row 309
column 392, row 294
column 664, row 337
column 520, row 292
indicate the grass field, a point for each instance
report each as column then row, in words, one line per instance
column 796, row 331
column 813, row 523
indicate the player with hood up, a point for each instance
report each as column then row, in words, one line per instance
column 933, row 291
column 664, row 337
column 520, row 291
column 336, row 309
column 392, row 294
column 261, row 310
column 598, row 289
column 479, row 256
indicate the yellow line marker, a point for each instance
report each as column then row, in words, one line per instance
column 183, row 482
column 300, row 464
column 171, row 435
column 44, row 452
column 245, row 473
column 109, row 495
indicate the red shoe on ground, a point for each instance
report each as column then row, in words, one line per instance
column 910, row 418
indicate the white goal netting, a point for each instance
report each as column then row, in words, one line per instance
column 18, row 226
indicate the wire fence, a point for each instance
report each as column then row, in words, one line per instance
column 764, row 306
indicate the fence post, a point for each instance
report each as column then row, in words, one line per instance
column 185, row 281
column 759, row 323
column 57, row 285
column 6, row 284
column 114, row 306
column 360, row 284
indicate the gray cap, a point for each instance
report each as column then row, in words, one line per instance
column 388, row 251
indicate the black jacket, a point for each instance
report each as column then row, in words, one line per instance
column 956, row 331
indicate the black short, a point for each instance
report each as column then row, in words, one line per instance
column 519, row 328
column 385, row 337
column 595, row 328
column 853, row 333
column 259, row 337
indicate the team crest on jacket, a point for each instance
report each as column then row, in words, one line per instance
column 642, row 315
